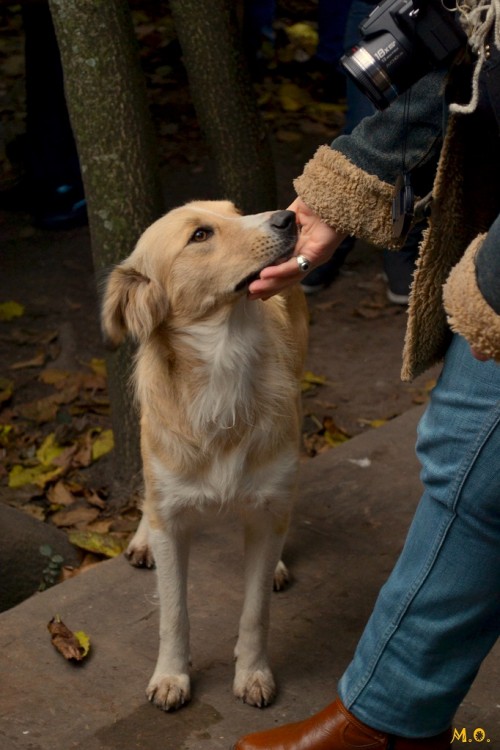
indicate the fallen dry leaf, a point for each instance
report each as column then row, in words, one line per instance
column 39, row 475
column 98, row 366
column 45, row 409
column 79, row 516
column 102, row 526
column 103, row 443
column 292, row 97
column 59, row 494
column 6, row 389
column 73, row 646
column 37, row 361
column 34, row 510
column 309, row 380
column 373, row 422
column 10, row 310
column 334, row 435
column 101, row 544
column 5, row 430
column 94, row 499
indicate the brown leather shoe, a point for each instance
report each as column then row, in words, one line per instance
column 335, row 728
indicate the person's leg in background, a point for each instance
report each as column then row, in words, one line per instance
column 53, row 180
column 332, row 19
column 258, row 19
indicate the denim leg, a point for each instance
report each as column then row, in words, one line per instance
column 438, row 615
column 358, row 105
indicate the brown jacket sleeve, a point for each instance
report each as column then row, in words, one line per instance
column 469, row 314
column 348, row 198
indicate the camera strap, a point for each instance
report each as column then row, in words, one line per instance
column 403, row 201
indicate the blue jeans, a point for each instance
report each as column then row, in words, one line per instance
column 438, row 615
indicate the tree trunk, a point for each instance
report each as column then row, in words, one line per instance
column 225, row 102
column 106, row 97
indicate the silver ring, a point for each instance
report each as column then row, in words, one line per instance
column 303, row 263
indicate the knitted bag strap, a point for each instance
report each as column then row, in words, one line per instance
column 479, row 18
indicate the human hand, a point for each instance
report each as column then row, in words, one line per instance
column 317, row 242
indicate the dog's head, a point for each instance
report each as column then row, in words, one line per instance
column 189, row 263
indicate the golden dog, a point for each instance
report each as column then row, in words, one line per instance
column 217, row 379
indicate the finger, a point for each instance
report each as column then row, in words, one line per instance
column 268, row 287
column 288, row 269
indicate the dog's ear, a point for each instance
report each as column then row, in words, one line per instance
column 133, row 303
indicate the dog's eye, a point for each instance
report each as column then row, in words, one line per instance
column 202, row 234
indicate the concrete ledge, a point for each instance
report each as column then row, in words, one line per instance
column 355, row 507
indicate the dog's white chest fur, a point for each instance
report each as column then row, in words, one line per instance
column 229, row 351
column 231, row 416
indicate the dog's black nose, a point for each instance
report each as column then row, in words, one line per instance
column 282, row 219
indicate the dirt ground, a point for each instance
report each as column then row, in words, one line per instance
column 352, row 382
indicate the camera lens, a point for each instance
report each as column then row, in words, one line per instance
column 378, row 67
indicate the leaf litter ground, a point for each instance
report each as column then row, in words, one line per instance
column 55, row 429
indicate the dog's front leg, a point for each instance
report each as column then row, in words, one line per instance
column 169, row 687
column 264, row 538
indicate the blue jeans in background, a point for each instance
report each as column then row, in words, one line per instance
column 438, row 615
column 358, row 105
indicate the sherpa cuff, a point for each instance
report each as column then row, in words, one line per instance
column 348, row 198
column 468, row 312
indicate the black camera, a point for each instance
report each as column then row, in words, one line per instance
column 401, row 41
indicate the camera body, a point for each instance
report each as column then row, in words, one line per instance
column 401, row 41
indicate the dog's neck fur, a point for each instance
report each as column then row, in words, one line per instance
column 219, row 364
column 229, row 348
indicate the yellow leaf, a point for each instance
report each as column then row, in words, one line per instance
column 288, row 136
column 310, row 377
column 98, row 366
column 430, row 384
column 10, row 310
column 103, row 444
column 100, row 544
column 39, row 475
column 292, row 97
column 51, row 376
column 5, row 429
column 335, row 439
column 42, row 474
column 84, row 642
column 73, row 646
column 372, row 422
column 325, row 108
column 49, row 450
column 6, row 389
column 303, row 35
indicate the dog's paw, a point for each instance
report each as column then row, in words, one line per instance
column 281, row 577
column 255, row 688
column 140, row 556
column 169, row 692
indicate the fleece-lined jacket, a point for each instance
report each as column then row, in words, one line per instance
column 350, row 185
